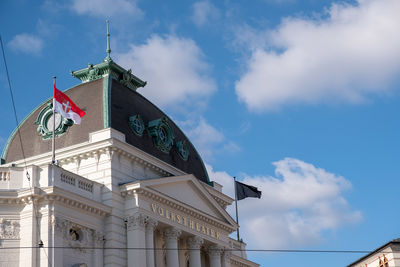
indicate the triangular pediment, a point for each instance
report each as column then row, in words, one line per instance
column 188, row 190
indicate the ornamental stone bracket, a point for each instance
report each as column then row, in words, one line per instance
column 9, row 229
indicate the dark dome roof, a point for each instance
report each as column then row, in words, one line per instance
column 109, row 103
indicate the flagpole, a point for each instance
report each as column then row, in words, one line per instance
column 237, row 216
column 53, row 141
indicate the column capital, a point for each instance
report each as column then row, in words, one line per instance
column 227, row 255
column 215, row 251
column 195, row 242
column 135, row 221
column 172, row 233
column 151, row 223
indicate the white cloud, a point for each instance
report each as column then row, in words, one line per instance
column 174, row 68
column 26, row 43
column 296, row 208
column 207, row 139
column 106, row 8
column 345, row 56
column 203, row 12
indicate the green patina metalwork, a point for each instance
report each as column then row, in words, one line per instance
column 108, row 51
column 136, row 124
column 109, row 67
column 161, row 133
column 45, row 120
column 107, row 101
column 183, row 149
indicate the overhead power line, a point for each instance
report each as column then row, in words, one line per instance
column 231, row 250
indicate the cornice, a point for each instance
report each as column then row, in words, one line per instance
column 222, row 199
column 53, row 193
column 110, row 146
column 177, row 205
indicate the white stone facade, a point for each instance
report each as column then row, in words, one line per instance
column 387, row 255
column 108, row 203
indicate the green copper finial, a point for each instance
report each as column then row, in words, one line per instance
column 108, row 58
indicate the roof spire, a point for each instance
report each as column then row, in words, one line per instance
column 108, row 58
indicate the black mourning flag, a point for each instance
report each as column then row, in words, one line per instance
column 244, row 190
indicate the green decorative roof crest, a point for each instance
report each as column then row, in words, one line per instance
column 109, row 67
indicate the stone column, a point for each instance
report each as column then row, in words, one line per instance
column 171, row 242
column 226, row 258
column 136, row 239
column 194, row 244
column 215, row 252
column 150, row 225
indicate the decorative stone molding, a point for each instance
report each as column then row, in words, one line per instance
column 215, row 251
column 172, row 233
column 77, row 204
column 110, row 152
column 135, row 221
column 76, row 235
column 226, row 256
column 179, row 207
column 195, row 242
column 98, row 239
column 9, row 229
column 5, row 175
column 151, row 224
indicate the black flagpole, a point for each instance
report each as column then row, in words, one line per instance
column 237, row 216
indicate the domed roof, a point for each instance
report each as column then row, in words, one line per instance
column 109, row 98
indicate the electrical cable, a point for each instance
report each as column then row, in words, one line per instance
column 40, row 242
column 231, row 250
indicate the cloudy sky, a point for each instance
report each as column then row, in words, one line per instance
column 299, row 98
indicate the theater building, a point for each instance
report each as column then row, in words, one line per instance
column 387, row 255
column 128, row 187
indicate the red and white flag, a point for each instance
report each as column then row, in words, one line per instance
column 66, row 108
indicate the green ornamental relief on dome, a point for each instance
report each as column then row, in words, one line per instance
column 161, row 133
column 45, row 122
column 136, row 124
column 183, row 149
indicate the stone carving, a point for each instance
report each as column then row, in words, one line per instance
column 172, row 233
column 195, row 242
column 75, row 235
column 135, row 221
column 226, row 256
column 9, row 229
column 98, row 238
column 215, row 251
column 151, row 224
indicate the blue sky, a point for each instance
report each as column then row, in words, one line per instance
column 299, row 98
